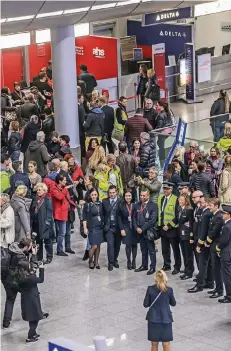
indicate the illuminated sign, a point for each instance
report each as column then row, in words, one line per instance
column 150, row 19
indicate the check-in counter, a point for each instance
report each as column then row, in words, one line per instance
column 220, row 76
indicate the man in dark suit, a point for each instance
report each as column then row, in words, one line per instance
column 145, row 218
column 111, row 229
column 196, row 197
column 213, row 237
column 224, row 251
column 26, row 110
column 108, row 121
column 204, row 278
column 82, row 115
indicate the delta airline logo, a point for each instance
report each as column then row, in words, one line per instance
column 168, row 33
column 168, row 15
column 98, row 53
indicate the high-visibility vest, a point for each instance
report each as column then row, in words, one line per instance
column 169, row 211
column 118, row 126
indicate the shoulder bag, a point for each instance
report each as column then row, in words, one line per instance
column 153, row 234
column 153, row 302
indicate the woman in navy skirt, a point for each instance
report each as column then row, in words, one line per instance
column 93, row 226
column 159, row 297
column 129, row 236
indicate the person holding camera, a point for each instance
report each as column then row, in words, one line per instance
column 30, row 299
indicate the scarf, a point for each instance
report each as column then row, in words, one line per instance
column 122, row 108
column 39, row 203
column 4, row 207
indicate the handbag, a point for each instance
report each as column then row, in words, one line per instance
column 71, row 216
column 10, row 116
column 153, row 234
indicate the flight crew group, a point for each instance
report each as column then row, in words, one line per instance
column 201, row 227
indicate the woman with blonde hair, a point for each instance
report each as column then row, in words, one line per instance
column 97, row 157
column 225, row 183
column 114, row 174
column 6, row 221
column 21, row 206
column 159, row 297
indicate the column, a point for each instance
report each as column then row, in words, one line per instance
column 65, row 84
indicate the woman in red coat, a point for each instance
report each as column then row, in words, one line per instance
column 74, row 170
column 61, row 205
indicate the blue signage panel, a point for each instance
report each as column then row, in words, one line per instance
column 150, row 19
column 56, row 347
column 190, row 72
column 179, row 141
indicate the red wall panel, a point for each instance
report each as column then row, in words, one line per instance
column 37, row 62
column 11, row 66
column 147, row 51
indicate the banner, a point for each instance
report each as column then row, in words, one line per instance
column 62, row 344
column 179, row 141
column 190, row 72
column 203, row 68
column 158, row 64
column 150, row 19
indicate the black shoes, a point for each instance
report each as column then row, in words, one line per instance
column 45, row 315
column 48, row 261
column 175, row 271
column 224, row 300
column 195, row 289
column 116, row 264
column 208, row 286
column 129, row 265
column 185, row 277
column 211, row 291
column 141, row 269
column 133, row 264
column 5, row 325
column 216, row 295
column 33, row 339
column 151, row 271
column 166, row 268
column 69, row 250
column 86, row 255
column 110, row 267
column 61, row 253
column 97, row 266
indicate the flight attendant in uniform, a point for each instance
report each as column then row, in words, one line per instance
column 128, row 235
column 196, row 197
column 224, row 251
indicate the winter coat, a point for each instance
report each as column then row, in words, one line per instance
column 225, row 187
column 25, row 112
column 6, row 105
column 21, row 207
column 63, row 151
column 163, row 120
column 48, row 126
column 152, row 89
column 176, row 179
column 60, row 200
column 19, row 177
column 43, row 218
column 218, row 108
column 7, row 227
column 30, row 299
column 89, row 80
column 153, row 186
column 151, row 116
column 14, row 142
column 127, row 167
column 53, row 147
column 30, row 132
column 37, row 152
column 94, row 125
column 108, row 119
column 202, row 181
column 77, row 173
column 135, row 126
column 141, row 84
column 147, row 157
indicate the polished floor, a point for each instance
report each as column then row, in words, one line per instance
column 83, row 303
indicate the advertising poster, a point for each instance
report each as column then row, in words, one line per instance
column 138, row 54
column 204, row 68
column 127, row 45
column 158, row 63
column 190, row 72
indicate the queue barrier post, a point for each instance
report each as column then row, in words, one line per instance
column 100, row 343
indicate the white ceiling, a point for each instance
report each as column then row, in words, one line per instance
column 11, row 9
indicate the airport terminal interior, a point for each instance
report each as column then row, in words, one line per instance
column 192, row 68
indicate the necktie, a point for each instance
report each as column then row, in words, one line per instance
column 112, row 202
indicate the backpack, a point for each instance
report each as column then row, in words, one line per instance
column 4, row 180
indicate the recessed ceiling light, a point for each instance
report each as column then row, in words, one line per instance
column 82, row 9
column 129, row 2
column 105, row 6
column 22, row 18
column 49, row 14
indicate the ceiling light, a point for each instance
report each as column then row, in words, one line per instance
column 105, row 6
column 22, row 18
column 82, row 9
column 129, row 2
column 147, row 0
column 49, row 14
column 2, row 20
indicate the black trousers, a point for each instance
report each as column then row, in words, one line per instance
column 48, row 247
column 147, row 248
column 205, row 275
column 161, row 145
column 32, row 329
column 166, row 243
column 216, row 267
column 131, row 250
column 196, row 254
column 109, row 145
column 226, row 273
column 113, row 246
column 11, row 295
column 187, row 252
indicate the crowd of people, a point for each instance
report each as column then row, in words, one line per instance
column 117, row 195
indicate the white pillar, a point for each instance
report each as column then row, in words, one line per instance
column 65, row 83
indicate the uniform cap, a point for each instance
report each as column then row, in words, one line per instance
column 226, row 209
column 168, row 185
column 183, row 184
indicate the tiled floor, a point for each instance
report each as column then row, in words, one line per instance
column 83, row 303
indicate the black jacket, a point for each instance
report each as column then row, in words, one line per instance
column 215, row 225
column 160, row 311
column 30, row 132
column 14, row 142
column 30, row 300
column 43, row 219
column 6, row 105
column 218, row 108
column 197, row 218
column 37, row 152
column 109, row 117
column 48, row 126
column 224, row 246
column 16, row 97
column 94, row 125
column 19, row 176
column 163, row 120
column 185, row 221
column 146, row 218
column 107, row 211
column 153, row 89
column 53, row 147
column 89, row 80
column 87, row 215
column 82, row 114
column 25, row 112
column 202, row 181
column 147, row 157
column 151, row 116
column 203, row 227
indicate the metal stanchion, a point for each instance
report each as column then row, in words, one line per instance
column 100, row 343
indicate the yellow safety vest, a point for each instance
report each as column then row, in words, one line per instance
column 118, row 126
column 169, row 211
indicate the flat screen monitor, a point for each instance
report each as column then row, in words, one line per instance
column 226, row 49
column 211, row 51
